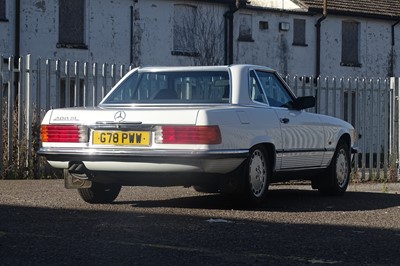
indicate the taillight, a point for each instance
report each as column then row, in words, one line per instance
column 64, row 133
column 188, row 135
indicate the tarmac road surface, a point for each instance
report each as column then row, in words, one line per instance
column 41, row 223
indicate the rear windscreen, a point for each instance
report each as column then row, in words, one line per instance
column 172, row 87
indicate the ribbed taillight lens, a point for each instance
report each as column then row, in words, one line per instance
column 188, row 135
column 64, row 133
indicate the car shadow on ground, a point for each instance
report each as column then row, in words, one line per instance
column 46, row 236
column 281, row 200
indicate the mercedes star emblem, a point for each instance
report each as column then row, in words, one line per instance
column 119, row 116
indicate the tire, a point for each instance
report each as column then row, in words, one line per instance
column 206, row 189
column 258, row 175
column 337, row 176
column 100, row 193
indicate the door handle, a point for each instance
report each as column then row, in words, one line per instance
column 285, row 120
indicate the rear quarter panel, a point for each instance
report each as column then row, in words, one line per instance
column 243, row 127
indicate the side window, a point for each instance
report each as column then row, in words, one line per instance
column 256, row 92
column 276, row 93
column 71, row 24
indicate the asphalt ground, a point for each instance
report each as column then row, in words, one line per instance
column 41, row 223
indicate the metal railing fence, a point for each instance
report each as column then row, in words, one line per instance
column 30, row 87
column 371, row 105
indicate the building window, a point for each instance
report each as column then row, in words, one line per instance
column 184, row 30
column 3, row 10
column 299, row 32
column 263, row 25
column 245, row 28
column 350, row 43
column 71, row 24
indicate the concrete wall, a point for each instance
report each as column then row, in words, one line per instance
column 274, row 47
column 374, row 51
column 156, row 30
column 7, row 29
column 108, row 28
column 280, row 4
column 107, row 31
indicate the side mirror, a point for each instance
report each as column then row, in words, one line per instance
column 304, row 102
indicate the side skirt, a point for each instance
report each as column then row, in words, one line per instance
column 296, row 174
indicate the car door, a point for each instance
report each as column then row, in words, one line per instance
column 302, row 132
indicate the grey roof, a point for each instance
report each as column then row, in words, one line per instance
column 389, row 9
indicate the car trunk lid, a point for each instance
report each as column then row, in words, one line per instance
column 109, row 116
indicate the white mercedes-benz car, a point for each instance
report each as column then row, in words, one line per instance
column 229, row 129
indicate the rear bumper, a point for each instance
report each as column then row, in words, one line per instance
column 62, row 154
column 179, row 161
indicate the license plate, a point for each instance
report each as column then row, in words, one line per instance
column 128, row 138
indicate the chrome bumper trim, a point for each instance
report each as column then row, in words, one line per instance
column 66, row 154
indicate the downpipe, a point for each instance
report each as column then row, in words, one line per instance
column 318, row 26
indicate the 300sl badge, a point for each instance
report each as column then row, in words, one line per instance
column 65, row 118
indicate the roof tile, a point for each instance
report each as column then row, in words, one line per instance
column 387, row 8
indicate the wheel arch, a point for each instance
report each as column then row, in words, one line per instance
column 270, row 149
column 346, row 139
